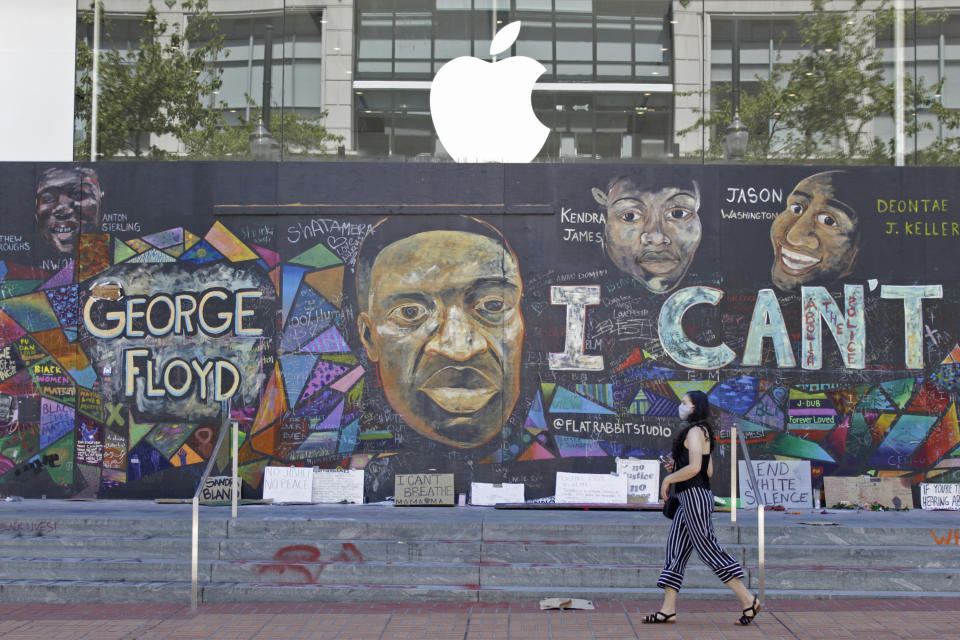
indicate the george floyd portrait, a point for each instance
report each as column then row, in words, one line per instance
column 651, row 231
column 816, row 238
column 67, row 203
column 439, row 315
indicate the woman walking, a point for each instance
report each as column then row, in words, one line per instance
column 692, row 526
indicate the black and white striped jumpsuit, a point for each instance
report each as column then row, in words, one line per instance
column 692, row 527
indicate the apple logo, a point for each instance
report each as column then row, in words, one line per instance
column 482, row 111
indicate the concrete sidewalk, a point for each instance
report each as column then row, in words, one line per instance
column 891, row 619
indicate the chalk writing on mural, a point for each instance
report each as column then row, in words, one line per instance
column 13, row 242
column 118, row 223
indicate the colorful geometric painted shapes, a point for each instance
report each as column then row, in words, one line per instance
column 930, row 399
column 899, row 390
column 292, row 277
column 201, row 253
column 56, row 420
column 535, row 419
column 944, row 437
column 310, row 305
column 228, row 244
column 319, row 405
column 190, row 239
column 32, row 312
column 316, row 257
column 271, row 258
column 176, row 250
column 297, row 333
column 94, row 255
column 65, row 304
column 61, row 278
column 273, row 402
column 69, row 354
column 836, row 440
column 661, row 406
column 767, row 412
column 681, row 388
column 9, row 329
column 600, row 393
column 565, row 401
column 878, row 400
column 903, row 439
column 640, row 404
column 736, row 395
column 139, row 245
column 328, row 283
column 954, row 356
column 296, row 372
column 332, row 421
column 320, row 443
column 569, row 447
column 755, row 429
column 137, row 430
column 330, row 341
column 21, row 384
column 844, row 400
column 86, row 377
column 13, row 288
column 348, row 437
column 143, row 460
column 121, row 251
column 152, row 256
column 535, row 451
column 167, row 438
column 635, row 357
column 164, row 239
column 323, row 374
column 185, row 456
column 343, row 384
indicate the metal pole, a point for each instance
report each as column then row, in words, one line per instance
column 760, row 553
column 733, row 474
column 194, row 550
column 898, row 70
column 735, row 51
column 267, row 76
column 233, row 475
column 493, row 23
column 95, row 86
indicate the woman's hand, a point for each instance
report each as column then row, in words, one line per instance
column 668, row 464
column 664, row 489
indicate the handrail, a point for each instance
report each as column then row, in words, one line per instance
column 195, row 529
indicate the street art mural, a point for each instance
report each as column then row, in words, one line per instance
column 501, row 323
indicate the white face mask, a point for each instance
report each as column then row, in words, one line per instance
column 684, row 411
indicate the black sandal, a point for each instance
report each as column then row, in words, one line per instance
column 752, row 610
column 659, row 618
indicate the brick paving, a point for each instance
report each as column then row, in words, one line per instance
column 887, row 619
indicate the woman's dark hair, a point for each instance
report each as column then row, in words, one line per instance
column 700, row 417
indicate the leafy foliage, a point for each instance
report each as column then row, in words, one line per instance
column 167, row 85
column 821, row 104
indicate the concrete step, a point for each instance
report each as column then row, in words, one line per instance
column 385, row 574
column 904, row 580
column 105, row 547
column 80, row 570
column 369, row 550
column 60, row 527
column 131, row 592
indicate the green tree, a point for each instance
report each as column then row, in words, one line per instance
column 820, row 104
column 300, row 137
column 162, row 86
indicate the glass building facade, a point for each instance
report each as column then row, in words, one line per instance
column 625, row 80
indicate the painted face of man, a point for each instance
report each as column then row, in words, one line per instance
column 816, row 238
column 652, row 234
column 67, row 201
column 444, row 325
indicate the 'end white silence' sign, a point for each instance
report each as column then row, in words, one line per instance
column 940, row 496
column 780, row 482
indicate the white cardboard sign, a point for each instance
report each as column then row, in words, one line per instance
column 337, row 485
column 940, row 496
column 288, row 484
column 487, row 494
column 591, row 488
column 643, row 477
column 780, row 482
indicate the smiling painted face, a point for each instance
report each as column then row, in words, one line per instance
column 68, row 202
column 444, row 325
column 816, row 238
column 652, row 235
